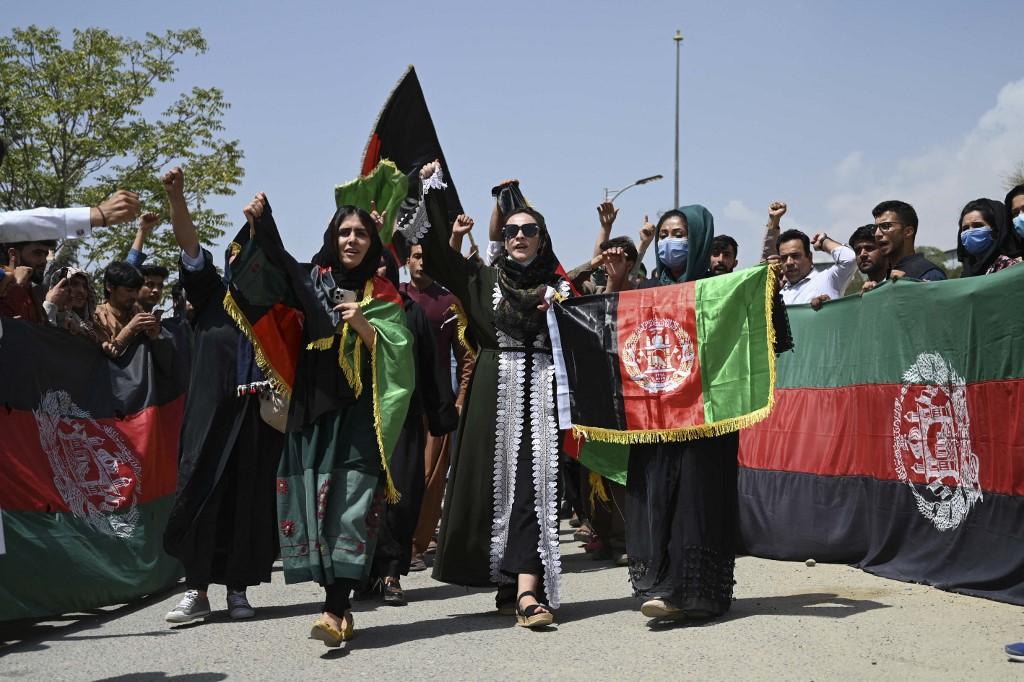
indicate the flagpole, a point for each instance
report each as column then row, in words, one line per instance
column 678, row 38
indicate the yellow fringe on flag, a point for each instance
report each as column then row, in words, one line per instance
column 718, row 428
column 462, row 323
column 597, row 489
column 393, row 496
column 273, row 376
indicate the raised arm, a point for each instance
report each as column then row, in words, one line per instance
column 769, row 249
column 181, row 220
column 428, row 226
column 606, row 213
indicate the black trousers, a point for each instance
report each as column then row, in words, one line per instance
column 681, row 511
column 398, row 525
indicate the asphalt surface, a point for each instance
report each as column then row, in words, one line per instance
column 789, row 621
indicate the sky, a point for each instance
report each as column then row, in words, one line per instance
column 829, row 106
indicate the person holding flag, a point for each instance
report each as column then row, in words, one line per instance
column 500, row 520
column 333, row 338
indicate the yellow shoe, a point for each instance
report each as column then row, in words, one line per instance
column 325, row 631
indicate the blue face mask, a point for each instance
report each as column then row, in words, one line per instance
column 1018, row 225
column 673, row 251
column 977, row 240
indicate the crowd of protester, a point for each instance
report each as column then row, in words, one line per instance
column 474, row 326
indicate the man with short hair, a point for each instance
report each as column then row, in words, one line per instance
column 120, row 318
column 724, row 250
column 870, row 261
column 437, row 304
column 21, row 278
column 895, row 231
column 593, row 276
column 152, row 290
column 803, row 284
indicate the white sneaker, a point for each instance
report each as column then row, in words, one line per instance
column 191, row 607
column 238, row 605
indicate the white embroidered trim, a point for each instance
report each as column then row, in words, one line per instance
column 412, row 215
column 496, row 299
column 544, row 431
column 507, row 438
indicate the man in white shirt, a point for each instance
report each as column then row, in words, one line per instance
column 803, row 284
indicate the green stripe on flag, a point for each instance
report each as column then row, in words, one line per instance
column 875, row 338
column 734, row 344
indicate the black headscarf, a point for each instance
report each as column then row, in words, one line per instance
column 1013, row 245
column 523, row 286
column 329, row 258
column 994, row 213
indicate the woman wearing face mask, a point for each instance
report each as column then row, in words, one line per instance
column 681, row 504
column 352, row 384
column 500, row 520
column 1014, row 243
column 984, row 243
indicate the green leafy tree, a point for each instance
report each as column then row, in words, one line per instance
column 938, row 257
column 81, row 121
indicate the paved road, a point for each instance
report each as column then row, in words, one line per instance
column 789, row 621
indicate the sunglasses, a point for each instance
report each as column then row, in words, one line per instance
column 528, row 230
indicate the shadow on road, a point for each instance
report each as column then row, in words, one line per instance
column 817, row 604
column 164, row 677
column 30, row 635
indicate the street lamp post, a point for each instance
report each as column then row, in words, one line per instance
column 679, row 41
column 615, row 193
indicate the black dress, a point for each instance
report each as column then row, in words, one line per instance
column 223, row 526
column 431, row 407
column 681, row 521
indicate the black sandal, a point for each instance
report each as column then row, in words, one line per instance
column 532, row 616
column 393, row 593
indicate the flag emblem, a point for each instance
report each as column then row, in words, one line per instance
column 658, row 355
column 94, row 470
column 932, row 442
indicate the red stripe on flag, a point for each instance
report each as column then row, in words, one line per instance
column 279, row 332
column 384, row 290
column 151, row 436
column 657, row 340
column 849, row 431
column 372, row 156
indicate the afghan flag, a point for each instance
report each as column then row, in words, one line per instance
column 671, row 363
column 89, row 456
column 405, row 134
column 273, row 301
column 897, row 439
column 385, row 187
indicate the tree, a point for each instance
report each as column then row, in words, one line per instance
column 80, row 123
column 938, row 257
column 1016, row 177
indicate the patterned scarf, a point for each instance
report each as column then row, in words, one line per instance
column 523, row 286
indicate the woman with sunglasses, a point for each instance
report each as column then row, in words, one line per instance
column 500, row 521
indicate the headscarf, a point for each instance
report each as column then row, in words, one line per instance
column 54, row 278
column 523, row 286
column 994, row 212
column 329, row 259
column 328, row 273
column 700, row 230
column 1012, row 245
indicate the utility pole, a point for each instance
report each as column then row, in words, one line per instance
column 678, row 38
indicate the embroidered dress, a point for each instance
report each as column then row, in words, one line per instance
column 500, row 511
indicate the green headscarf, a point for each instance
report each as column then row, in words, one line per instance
column 700, row 230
